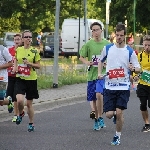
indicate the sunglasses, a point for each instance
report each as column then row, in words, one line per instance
column 27, row 37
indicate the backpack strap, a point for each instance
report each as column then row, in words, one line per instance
column 141, row 56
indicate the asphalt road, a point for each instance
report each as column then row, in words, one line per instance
column 70, row 128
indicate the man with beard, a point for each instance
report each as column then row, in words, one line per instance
column 92, row 50
column 121, row 59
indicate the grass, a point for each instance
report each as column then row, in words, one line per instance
column 69, row 75
column 61, row 60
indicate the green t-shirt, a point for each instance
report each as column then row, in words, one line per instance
column 92, row 50
column 30, row 54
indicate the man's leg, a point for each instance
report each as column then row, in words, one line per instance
column 122, row 99
column 30, row 111
column 20, row 104
column 99, row 102
column 144, row 112
column 92, row 114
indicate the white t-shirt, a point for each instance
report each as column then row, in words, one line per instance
column 5, row 57
column 117, row 66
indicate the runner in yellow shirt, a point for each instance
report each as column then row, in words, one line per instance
column 27, row 60
column 143, row 88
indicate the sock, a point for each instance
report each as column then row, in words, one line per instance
column 147, row 125
column 118, row 134
column 30, row 123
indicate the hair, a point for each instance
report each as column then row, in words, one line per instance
column 96, row 23
column 146, row 38
column 18, row 35
column 25, row 32
column 120, row 27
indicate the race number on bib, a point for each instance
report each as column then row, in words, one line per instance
column 116, row 73
column 146, row 76
column 24, row 71
column 95, row 59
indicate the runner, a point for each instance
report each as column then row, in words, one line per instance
column 27, row 60
column 5, row 62
column 92, row 50
column 143, row 88
column 12, row 76
column 117, row 82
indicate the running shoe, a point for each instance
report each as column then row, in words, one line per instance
column 92, row 114
column 116, row 140
column 96, row 125
column 146, row 129
column 18, row 120
column 101, row 122
column 10, row 105
column 31, row 127
column 14, row 119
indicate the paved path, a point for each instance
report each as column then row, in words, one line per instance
column 52, row 97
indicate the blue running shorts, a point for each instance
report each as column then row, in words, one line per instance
column 115, row 99
column 93, row 87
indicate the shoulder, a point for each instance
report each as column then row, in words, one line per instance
column 33, row 50
column 105, row 41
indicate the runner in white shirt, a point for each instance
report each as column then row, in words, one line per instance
column 121, row 59
column 5, row 62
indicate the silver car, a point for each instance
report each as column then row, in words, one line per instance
column 8, row 40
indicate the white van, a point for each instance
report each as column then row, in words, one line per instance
column 70, row 34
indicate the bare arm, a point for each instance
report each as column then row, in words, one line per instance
column 89, row 63
column 6, row 65
column 100, row 66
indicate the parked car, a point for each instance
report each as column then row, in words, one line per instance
column 48, row 46
column 8, row 40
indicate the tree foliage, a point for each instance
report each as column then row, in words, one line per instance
column 36, row 15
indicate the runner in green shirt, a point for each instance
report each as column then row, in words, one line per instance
column 92, row 50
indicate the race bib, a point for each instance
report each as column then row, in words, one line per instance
column 145, row 76
column 1, row 78
column 95, row 59
column 23, row 70
column 116, row 73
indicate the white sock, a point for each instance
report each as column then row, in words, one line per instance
column 114, row 112
column 118, row 134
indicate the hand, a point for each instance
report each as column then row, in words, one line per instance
column 131, row 67
column 25, row 61
column 15, row 70
column 135, row 78
column 89, row 63
column 100, row 76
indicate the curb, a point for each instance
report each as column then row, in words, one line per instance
column 50, row 104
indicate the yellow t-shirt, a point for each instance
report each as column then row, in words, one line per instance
column 29, row 54
column 145, row 65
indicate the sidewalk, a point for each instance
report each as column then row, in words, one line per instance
column 52, row 97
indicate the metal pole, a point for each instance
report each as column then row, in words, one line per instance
column 85, row 19
column 134, row 17
column 56, row 45
column 107, row 16
column 79, row 28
